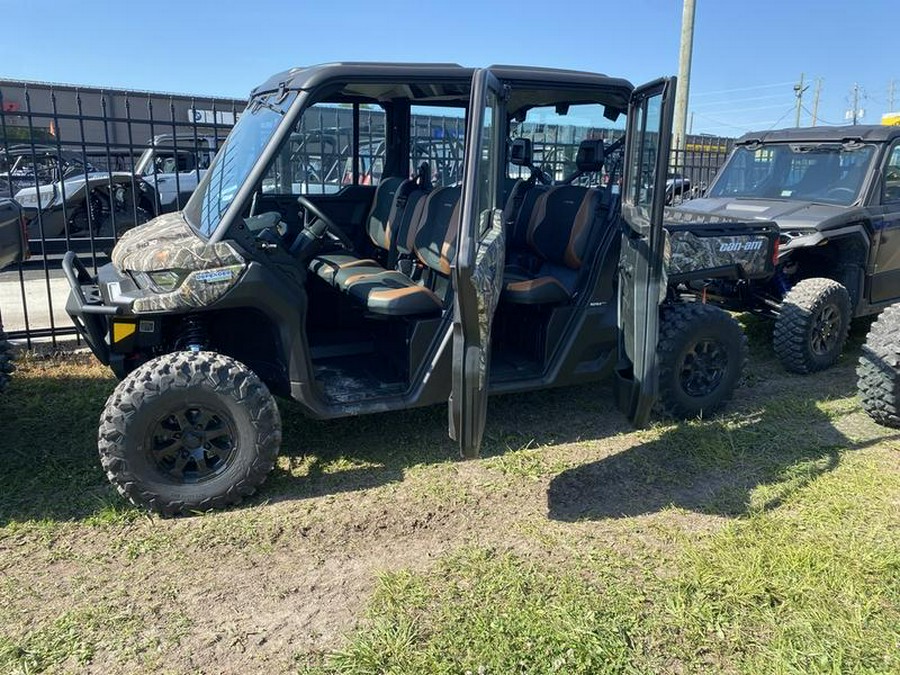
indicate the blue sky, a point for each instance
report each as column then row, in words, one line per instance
column 747, row 54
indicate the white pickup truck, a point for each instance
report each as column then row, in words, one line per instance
column 173, row 165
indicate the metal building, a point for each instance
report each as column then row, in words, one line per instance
column 103, row 117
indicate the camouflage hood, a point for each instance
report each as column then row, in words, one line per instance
column 168, row 243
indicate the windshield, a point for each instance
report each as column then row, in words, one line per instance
column 235, row 160
column 832, row 173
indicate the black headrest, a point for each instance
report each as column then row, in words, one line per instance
column 590, row 156
column 520, row 152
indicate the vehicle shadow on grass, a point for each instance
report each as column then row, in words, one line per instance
column 750, row 460
column 345, row 455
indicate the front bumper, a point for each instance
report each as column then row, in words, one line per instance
column 86, row 308
column 103, row 311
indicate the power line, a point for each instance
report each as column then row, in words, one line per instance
column 731, row 129
column 820, row 120
column 742, row 109
column 741, row 127
column 728, row 91
column 747, row 99
column 778, row 121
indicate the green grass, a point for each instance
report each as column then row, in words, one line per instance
column 766, row 540
column 811, row 588
column 496, row 612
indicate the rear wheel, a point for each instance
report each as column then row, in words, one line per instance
column 6, row 360
column 878, row 373
column 189, row 432
column 91, row 213
column 813, row 325
column 701, row 353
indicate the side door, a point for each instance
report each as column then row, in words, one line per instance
column 641, row 268
column 477, row 274
column 885, row 284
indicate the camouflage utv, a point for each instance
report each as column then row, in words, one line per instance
column 416, row 291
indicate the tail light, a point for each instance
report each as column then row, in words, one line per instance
column 775, row 250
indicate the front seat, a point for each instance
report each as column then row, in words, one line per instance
column 394, row 201
column 394, row 293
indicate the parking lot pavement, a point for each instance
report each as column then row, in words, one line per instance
column 39, row 300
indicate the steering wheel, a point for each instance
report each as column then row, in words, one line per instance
column 322, row 225
column 840, row 193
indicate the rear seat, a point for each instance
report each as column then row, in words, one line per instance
column 520, row 204
column 560, row 224
column 433, row 248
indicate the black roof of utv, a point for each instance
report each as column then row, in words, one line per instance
column 873, row 133
column 414, row 79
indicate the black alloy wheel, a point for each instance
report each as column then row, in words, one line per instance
column 812, row 325
column 826, row 330
column 188, row 432
column 703, row 367
column 193, row 445
column 701, row 354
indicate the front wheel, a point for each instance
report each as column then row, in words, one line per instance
column 812, row 326
column 701, row 353
column 189, row 432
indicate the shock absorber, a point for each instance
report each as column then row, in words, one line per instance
column 193, row 335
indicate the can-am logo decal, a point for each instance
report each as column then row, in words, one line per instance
column 734, row 246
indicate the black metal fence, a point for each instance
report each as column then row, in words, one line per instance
column 87, row 166
column 696, row 164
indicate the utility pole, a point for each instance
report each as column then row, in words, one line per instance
column 855, row 112
column 815, row 110
column 798, row 91
column 684, row 75
column 891, row 96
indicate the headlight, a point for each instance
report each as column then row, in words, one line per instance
column 165, row 281
column 185, row 290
